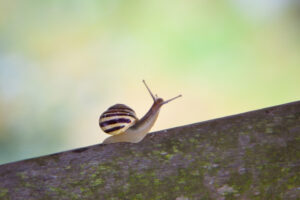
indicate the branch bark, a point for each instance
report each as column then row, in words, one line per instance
column 254, row 155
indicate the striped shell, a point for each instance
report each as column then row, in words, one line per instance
column 117, row 119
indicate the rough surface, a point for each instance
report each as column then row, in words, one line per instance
column 254, row 155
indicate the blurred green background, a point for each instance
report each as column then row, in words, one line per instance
column 63, row 62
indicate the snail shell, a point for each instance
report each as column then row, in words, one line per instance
column 117, row 119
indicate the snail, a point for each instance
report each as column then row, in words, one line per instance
column 121, row 122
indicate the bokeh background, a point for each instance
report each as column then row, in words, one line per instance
column 63, row 62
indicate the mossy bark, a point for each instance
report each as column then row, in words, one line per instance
column 254, row 155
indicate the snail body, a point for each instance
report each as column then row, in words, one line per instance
column 121, row 122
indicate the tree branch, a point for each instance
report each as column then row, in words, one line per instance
column 254, row 155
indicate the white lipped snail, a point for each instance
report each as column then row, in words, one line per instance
column 121, row 122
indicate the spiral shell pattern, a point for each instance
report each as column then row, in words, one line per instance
column 117, row 119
